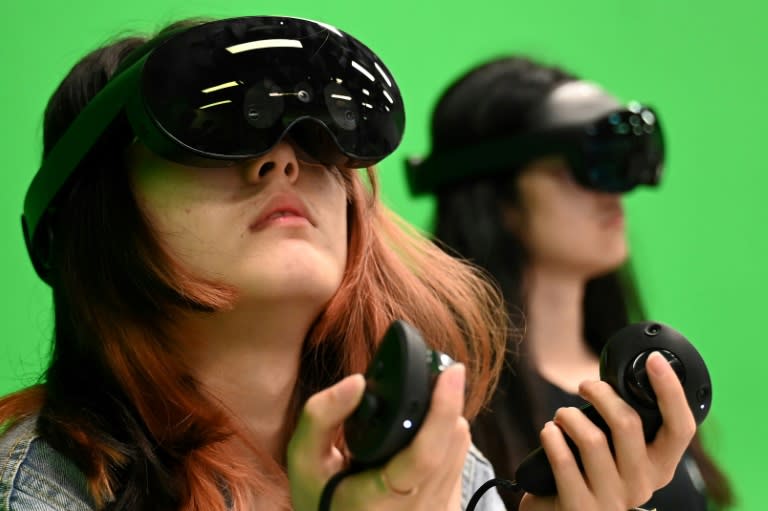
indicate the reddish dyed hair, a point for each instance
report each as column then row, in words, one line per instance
column 117, row 398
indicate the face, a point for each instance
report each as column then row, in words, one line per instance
column 565, row 226
column 274, row 227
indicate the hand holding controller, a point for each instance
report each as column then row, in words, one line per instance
column 622, row 365
column 399, row 383
column 395, row 402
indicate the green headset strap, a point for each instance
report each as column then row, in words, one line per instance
column 72, row 147
column 84, row 132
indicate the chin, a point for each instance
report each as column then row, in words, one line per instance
column 290, row 269
column 316, row 285
column 608, row 262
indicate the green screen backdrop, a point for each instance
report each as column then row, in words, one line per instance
column 699, row 241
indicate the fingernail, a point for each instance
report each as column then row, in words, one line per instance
column 457, row 375
column 655, row 362
column 351, row 385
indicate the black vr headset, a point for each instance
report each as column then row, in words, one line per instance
column 227, row 91
column 608, row 147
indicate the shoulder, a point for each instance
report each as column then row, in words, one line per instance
column 36, row 477
column 478, row 470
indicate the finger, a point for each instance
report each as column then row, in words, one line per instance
column 374, row 486
column 571, row 486
column 453, row 462
column 418, row 460
column 322, row 415
column 678, row 426
column 599, row 466
column 626, row 429
column 383, row 483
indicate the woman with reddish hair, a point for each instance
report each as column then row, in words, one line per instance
column 221, row 276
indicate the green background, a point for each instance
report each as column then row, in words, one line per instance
column 698, row 241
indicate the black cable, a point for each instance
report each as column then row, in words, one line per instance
column 506, row 483
column 330, row 487
column 333, row 482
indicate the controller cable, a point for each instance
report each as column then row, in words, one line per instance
column 330, row 487
column 333, row 482
column 504, row 483
column 509, row 485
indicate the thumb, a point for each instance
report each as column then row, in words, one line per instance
column 323, row 413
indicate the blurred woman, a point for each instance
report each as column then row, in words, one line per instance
column 528, row 166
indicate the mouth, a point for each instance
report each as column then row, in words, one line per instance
column 286, row 210
column 282, row 214
column 613, row 216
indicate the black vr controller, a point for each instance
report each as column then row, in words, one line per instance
column 398, row 391
column 622, row 365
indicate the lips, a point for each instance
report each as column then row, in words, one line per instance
column 612, row 216
column 281, row 206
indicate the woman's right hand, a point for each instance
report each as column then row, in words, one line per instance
column 628, row 477
column 425, row 476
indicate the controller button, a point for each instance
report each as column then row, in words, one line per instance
column 703, row 395
column 636, row 377
column 653, row 329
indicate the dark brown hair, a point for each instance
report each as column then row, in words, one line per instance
column 492, row 100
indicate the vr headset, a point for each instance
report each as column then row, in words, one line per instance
column 226, row 91
column 607, row 147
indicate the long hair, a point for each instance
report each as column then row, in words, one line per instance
column 492, row 100
column 117, row 398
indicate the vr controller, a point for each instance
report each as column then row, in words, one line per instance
column 622, row 365
column 401, row 375
column 398, row 391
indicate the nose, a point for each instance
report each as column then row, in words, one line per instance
column 279, row 163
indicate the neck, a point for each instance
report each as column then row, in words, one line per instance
column 248, row 358
column 555, row 327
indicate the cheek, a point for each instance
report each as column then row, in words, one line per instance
column 189, row 229
column 570, row 236
column 553, row 228
column 340, row 236
column 334, row 192
column 328, row 195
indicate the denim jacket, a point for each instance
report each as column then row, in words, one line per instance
column 35, row 477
